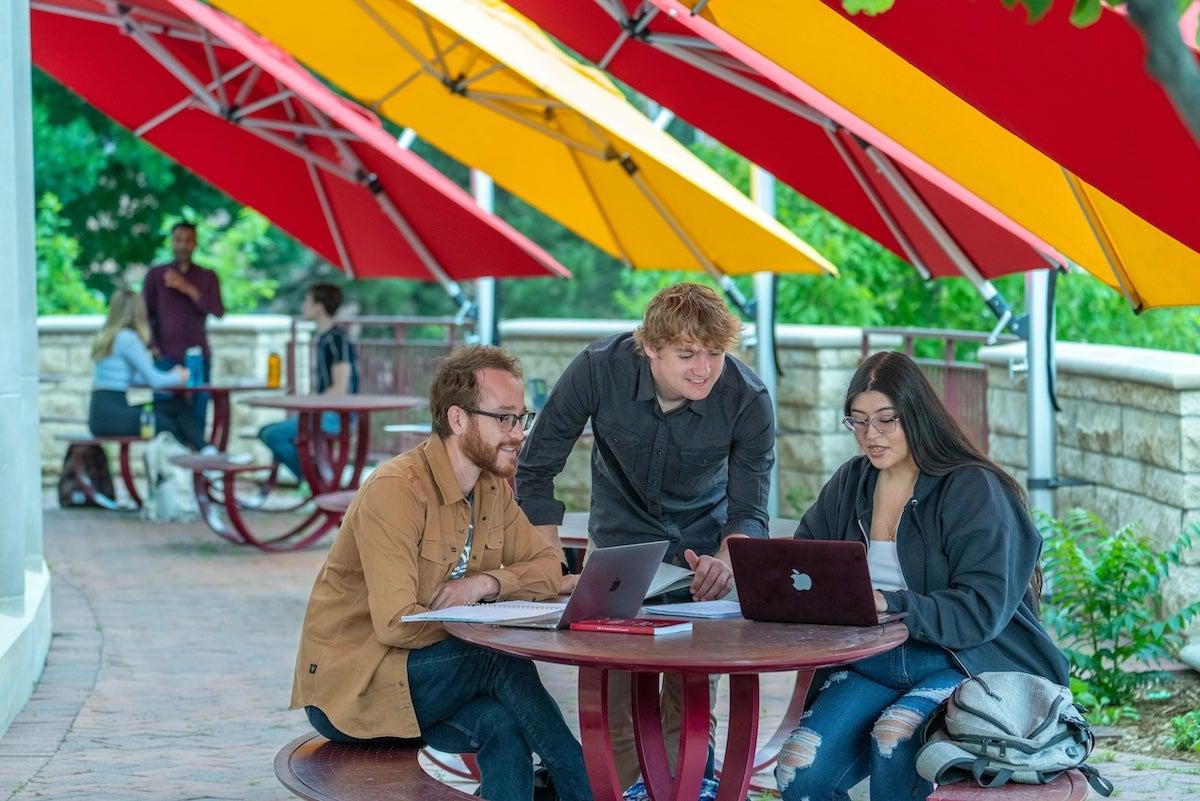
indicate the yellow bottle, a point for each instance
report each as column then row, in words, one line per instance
column 274, row 367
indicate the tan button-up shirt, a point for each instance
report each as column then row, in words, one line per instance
column 401, row 537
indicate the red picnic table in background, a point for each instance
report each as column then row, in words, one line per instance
column 332, row 464
column 218, row 433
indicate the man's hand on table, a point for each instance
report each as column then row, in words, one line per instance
column 469, row 590
column 714, row 576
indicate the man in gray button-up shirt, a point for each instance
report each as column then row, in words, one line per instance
column 684, row 439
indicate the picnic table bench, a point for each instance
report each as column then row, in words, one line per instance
column 314, row 768
column 1070, row 786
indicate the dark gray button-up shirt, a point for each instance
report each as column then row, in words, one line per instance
column 691, row 476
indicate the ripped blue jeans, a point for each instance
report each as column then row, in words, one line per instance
column 866, row 721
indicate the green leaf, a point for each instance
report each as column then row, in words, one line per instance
column 868, row 7
column 1036, row 8
column 1085, row 12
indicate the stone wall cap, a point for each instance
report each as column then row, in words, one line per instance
column 1159, row 368
column 564, row 329
column 76, row 323
column 811, row 336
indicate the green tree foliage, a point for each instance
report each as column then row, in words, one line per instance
column 61, row 289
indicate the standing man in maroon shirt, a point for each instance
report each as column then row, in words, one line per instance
column 179, row 297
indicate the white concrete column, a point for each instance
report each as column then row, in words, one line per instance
column 485, row 288
column 762, row 189
column 17, row 303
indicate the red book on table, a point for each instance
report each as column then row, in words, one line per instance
column 634, row 625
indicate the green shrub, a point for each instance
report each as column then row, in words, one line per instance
column 1105, row 605
column 1185, row 731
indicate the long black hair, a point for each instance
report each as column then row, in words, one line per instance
column 937, row 443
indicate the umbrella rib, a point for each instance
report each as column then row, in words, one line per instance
column 166, row 59
column 247, row 85
column 190, row 100
column 542, row 129
column 171, row 30
column 437, row 50
column 543, row 102
column 330, row 220
column 1107, row 246
column 211, row 57
column 743, row 82
column 295, row 128
column 389, row 208
column 299, row 151
column 884, row 212
column 396, row 37
column 587, row 182
column 400, row 87
column 499, row 65
column 261, row 103
column 929, row 220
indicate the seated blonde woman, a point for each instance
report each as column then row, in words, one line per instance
column 122, row 360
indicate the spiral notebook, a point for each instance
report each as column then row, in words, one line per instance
column 499, row 612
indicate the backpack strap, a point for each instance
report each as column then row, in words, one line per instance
column 980, row 765
column 1100, row 784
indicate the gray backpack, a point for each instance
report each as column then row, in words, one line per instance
column 1007, row 726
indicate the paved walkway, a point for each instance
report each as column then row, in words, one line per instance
column 170, row 670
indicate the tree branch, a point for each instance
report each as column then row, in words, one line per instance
column 1168, row 60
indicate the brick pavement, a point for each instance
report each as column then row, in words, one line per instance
column 170, row 670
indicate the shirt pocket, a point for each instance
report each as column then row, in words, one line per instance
column 437, row 557
column 697, row 468
column 625, row 446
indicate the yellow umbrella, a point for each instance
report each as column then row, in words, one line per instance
column 827, row 53
column 490, row 89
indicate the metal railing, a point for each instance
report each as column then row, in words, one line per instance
column 961, row 384
column 396, row 356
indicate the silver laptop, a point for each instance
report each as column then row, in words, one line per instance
column 613, row 583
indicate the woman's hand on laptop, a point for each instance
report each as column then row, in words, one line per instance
column 567, row 585
column 713, row 579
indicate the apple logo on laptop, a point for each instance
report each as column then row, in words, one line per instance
column 801, row 581
column 616, row 583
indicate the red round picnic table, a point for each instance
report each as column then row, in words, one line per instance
column 323, row 458
column 741, row 648
column 218, row 434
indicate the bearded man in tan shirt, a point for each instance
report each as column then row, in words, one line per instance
column 437, row 527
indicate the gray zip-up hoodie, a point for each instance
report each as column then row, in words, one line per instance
column 967, row 549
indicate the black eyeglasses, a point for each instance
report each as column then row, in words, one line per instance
column 507, row 421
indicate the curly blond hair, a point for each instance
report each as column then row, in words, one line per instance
column 688, row 313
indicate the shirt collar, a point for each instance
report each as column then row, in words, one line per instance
column 644, row 386
column 443, row 475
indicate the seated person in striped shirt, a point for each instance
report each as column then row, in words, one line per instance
column 336, row 373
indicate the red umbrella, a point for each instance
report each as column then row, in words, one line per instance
column 1082, row 96
column 821, row 150
column 243, row 115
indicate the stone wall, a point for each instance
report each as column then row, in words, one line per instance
column 240, row 346
column 1130, row 425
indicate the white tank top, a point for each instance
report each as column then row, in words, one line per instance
column 884, row 565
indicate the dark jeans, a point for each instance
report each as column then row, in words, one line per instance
column 866, row 721
column 470, row 700
column 199, row 400
column 111, row 415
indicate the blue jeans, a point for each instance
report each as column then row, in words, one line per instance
column 866, row 721
column 281, row 439
column 199, row 399
column 470, row 700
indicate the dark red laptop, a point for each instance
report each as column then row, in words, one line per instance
column 805, row 581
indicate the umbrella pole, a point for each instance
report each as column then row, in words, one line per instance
column 1041, row 435
column 762, row 189
column 485, row 288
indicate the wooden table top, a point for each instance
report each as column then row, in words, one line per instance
column 733, row 645
column 336, row 403
column 215, row 388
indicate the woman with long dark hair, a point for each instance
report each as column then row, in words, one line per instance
column 951, row 544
